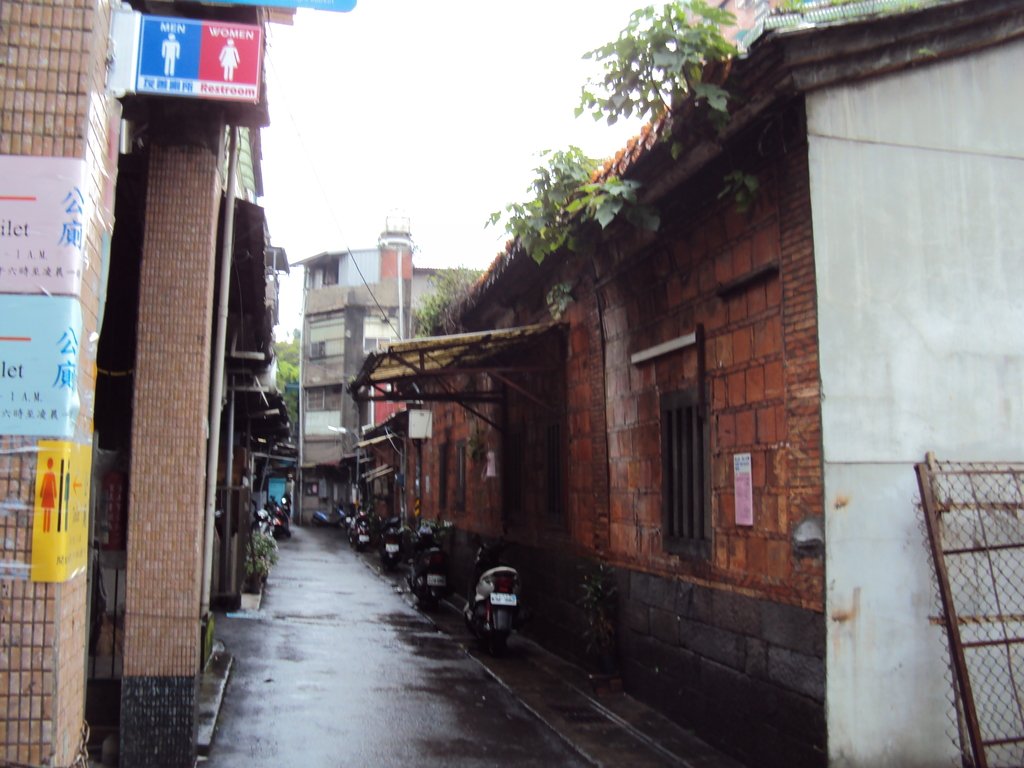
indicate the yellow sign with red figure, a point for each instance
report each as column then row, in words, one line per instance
column 60, row 526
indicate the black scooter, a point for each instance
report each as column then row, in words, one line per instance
column 281, row 520
column 391, row 544
column 428, row 579
column 359, row 532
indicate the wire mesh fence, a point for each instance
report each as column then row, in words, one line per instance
column 974, row 516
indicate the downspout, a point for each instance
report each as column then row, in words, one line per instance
column 229, row 462
column 217, row 393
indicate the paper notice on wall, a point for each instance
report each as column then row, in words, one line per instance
column 743, row 488
column 40, row 338
column 43, row 211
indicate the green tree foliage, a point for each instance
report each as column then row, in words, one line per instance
column 436, row 315
column 566, row 202
column 287, row 353
column 657, row 63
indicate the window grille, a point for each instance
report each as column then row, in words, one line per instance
column 686, row 511
column 553, row 500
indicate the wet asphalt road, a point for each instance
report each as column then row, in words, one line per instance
column 336, row 669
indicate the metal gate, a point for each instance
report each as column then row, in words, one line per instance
column 974, row 515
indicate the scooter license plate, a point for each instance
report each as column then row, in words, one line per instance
column 364, row 539
column 391, row 549
column 502, row 598
column 437, row 580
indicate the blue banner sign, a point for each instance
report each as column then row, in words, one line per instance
column 340, row 6
column 39, row 354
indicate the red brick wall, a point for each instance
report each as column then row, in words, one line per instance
column 760, row 356
column 568, row 391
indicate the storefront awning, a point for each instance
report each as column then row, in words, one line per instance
column 423, row 370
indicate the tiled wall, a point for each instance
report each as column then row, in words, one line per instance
column 165, row 527
column 52, row 71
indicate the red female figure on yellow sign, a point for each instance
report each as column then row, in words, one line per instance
column 48, row 494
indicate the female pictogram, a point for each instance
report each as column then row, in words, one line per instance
column 48, row 494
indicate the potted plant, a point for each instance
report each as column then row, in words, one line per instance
column 260, row 557
column 598, row 602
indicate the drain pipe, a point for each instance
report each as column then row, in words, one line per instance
column 217, row 393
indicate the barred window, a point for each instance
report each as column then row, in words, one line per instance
column 553, row 439
column 460, row 475
column 685, row 503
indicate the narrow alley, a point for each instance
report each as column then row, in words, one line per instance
column 336, row 668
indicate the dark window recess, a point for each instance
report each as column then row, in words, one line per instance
column 318, row 349
column 460, row 475
column 686, row 511
column 442, row 477
column 553, row 440
column 512, row 468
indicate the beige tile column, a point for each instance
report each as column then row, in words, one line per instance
column 169, row 435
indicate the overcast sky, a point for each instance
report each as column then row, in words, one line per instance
column 437, row 110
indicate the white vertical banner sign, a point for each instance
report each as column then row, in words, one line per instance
column 743, row 488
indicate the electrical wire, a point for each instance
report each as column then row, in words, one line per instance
column 323, row 193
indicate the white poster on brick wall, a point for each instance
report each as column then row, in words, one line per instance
column 43, row 211
column 743, row 488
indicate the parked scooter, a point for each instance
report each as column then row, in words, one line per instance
column 262, row 521
column 390, row 543
column 493, row 610
column 333, row 519
column 359, row 532
column 281, row 520
column 428, row 579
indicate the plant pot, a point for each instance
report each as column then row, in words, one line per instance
column 253, row 583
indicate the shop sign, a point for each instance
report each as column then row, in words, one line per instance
column 43, row 210
column 40, row 338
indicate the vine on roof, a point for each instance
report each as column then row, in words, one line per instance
column 655, row 65
column 566, row 204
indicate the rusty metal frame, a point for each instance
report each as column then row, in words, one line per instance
column 985, row 501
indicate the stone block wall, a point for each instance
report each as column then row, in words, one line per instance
column 747, row 673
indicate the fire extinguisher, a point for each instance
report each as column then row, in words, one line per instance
column 113, row 500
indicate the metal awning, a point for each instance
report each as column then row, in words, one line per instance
column 376, row 472
column 423, row 369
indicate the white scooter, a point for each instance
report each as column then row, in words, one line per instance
column 493, row 610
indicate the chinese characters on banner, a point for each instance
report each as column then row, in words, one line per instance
column 42, row 213
column 40, row 337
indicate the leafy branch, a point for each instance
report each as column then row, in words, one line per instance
column 657, row 63
column 566, row 201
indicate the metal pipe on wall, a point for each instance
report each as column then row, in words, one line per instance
column 217, row 392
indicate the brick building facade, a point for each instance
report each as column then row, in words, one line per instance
column 762, row 340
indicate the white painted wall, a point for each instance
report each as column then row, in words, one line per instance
column 917, row 190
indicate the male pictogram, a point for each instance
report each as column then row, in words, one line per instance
column 229, row 59
column 171, row 51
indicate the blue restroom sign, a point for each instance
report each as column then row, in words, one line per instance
column 199, row 59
